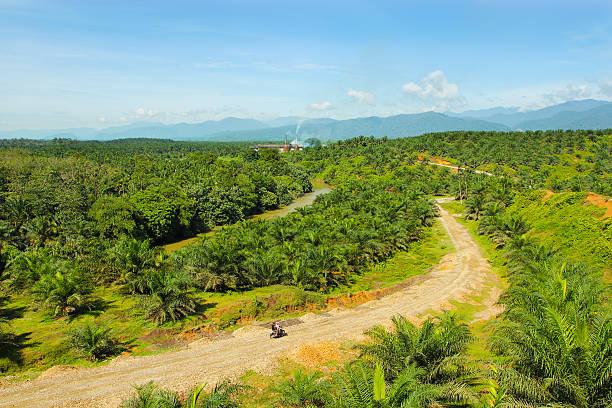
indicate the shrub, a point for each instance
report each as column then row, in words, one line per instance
column 94, row 341
column 64, row 293
column 168, row 298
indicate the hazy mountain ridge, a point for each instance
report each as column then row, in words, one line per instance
column 596, row 118
column 505, row 117
column 582, row 114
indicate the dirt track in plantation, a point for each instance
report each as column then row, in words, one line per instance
column 458, row 276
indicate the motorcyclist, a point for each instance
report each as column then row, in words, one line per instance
column 276, row 328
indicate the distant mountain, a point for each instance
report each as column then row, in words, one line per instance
column 596, row 118
column 179, row 131
column 283, row 121
column 484, row 113
column 513, row 119
column 583, row 114
column 393, row 126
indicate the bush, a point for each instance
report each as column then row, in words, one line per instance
column 94, row 341
column 64, row 293
column 224, row 395
column 304, row 390
column 168, row 298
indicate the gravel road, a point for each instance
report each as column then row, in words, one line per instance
column 458, row 276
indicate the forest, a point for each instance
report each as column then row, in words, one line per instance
column 83, row 226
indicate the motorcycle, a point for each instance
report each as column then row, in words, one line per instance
column 277, row 332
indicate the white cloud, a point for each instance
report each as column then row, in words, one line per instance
column 569, row 93
column 435, row 89
column 362, row 96
column 605, row 87
column 320, row 106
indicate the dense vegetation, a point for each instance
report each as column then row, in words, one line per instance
column 72, row 222
column 316, row 247
column 558, row 160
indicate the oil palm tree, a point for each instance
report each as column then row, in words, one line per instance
column 358, row 386
column 436, row 347
column 167, row 297
column 132, row 258
column 93, row 341
column 558, row 336
column 64, row 292
column 304, row 390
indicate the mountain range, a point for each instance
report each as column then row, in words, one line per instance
column 580, row 114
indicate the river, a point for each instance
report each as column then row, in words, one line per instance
column 303, row 201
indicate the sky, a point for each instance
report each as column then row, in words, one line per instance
column 88, row 63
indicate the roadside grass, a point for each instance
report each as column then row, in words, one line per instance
column 421, row 256
column 453, row 207
column 262, row 390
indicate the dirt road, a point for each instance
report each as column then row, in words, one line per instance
column 458, row 276
column 459, row 168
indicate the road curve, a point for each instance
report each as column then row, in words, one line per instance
column 457, row 276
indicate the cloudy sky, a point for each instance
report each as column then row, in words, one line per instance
column 103, row 63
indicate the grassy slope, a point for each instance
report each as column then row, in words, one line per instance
column 565, row 222
column 44, row 337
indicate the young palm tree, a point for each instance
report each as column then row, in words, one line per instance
column 224, row 395
column 64, row 293
column 303, row 390
column 557, row 336
column 436, row 346
column 474, row 207
column 132, row 258
column 168, row 298
column 358, row 386
column 93, row 341
column 27, row 267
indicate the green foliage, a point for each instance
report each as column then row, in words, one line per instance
column 564, row 222
column 64, row 292
column 93, row 341
column 557, row 333
column 357, row 387
column 224, row 395
column 316, row 248
column 379, row 383
column 304, row 390
column 556, row 329
column 115, row 216
column 436, row 347
column 166, row 297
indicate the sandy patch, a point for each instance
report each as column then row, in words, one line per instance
column 315, row 355
column 600, row 201
column 547, row 194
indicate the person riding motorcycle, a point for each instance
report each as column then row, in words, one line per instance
column 277, row 330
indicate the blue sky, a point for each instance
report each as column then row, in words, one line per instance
column 103, row 63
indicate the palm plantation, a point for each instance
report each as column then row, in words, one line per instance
column 82, row 235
